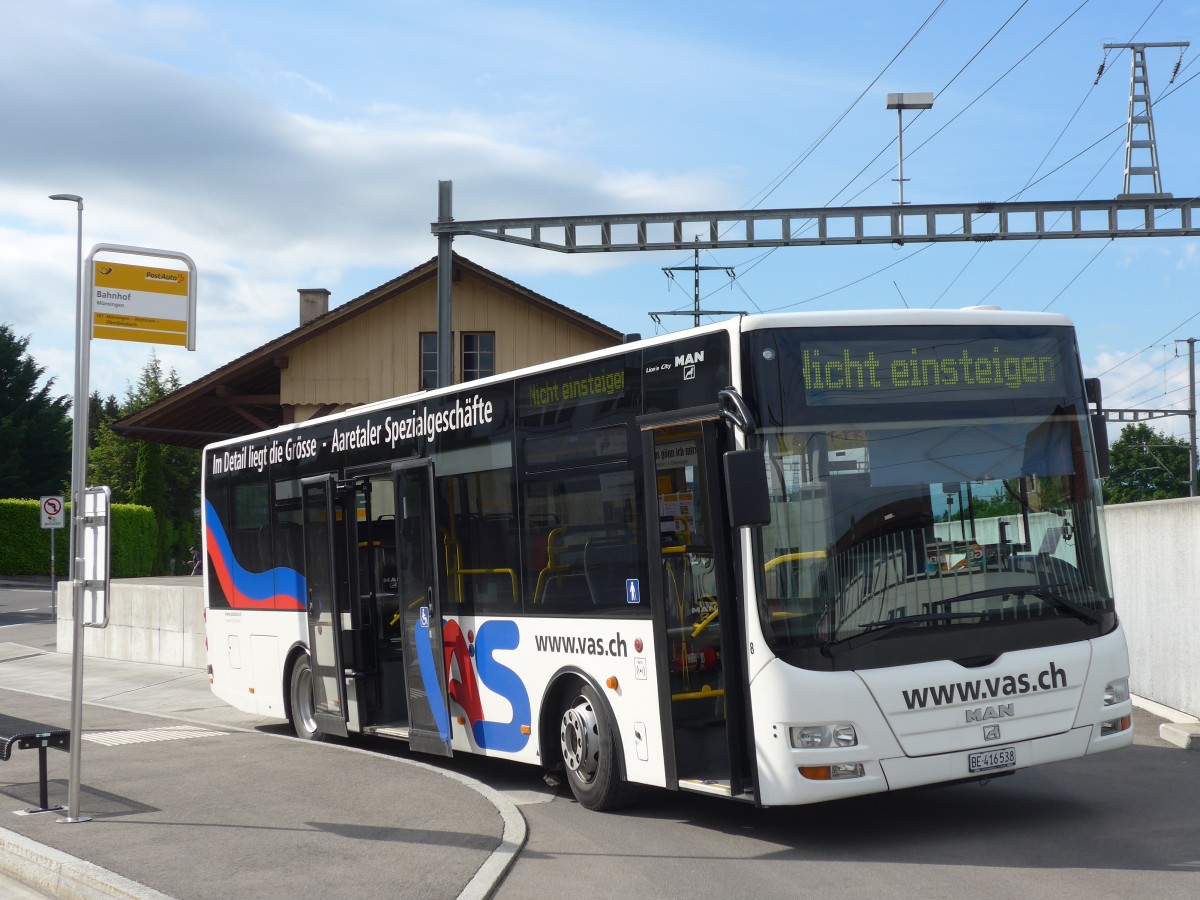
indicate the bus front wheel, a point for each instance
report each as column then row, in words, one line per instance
column 303, row 707
column 589, row 752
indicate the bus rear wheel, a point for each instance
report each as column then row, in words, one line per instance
column 302, row 707
column 589, row 752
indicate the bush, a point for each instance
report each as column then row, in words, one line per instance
column 25, row 545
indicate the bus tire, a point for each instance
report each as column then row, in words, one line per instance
column 589, row 752
column 302, row 708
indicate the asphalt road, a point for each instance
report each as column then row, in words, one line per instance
column 21, row 605
column 1119, row 824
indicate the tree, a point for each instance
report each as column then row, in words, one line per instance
column 100, row 410
column 35, row 427
column 1146, row 464
column 165, row 478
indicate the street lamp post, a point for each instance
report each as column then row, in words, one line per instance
column 78, row 487
column 901, row 102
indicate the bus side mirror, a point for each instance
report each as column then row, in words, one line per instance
column 1100, row 435
column 746, row 488
column 1095, row 396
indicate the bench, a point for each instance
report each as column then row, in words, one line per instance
column 22, row 734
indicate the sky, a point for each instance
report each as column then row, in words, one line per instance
column 286, row 144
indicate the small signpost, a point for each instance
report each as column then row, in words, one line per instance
column 54, row 516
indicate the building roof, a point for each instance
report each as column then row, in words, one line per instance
column 243, row 396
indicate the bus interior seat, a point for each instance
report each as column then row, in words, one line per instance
column 566, row 593
column 289, row 542
column 607, row 566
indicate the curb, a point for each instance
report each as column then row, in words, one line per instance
column 62, row 875
column 1163, row 712
column 512, row 839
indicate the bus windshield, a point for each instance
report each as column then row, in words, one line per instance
column 933, row 494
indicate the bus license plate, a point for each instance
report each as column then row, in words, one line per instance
column 988, row 760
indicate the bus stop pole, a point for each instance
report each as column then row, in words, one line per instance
column 78, row 512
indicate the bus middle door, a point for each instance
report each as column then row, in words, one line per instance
column 324, row 573
column 418, row 588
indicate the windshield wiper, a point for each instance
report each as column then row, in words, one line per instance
column 879, row 629
column 1041, row 591
column 875, row 630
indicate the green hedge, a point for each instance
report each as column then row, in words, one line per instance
column 25, row 545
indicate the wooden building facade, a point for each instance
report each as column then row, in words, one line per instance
column 380, row 345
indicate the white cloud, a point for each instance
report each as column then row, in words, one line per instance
column 305, row 84
column 264, row 199
column 1189, row 256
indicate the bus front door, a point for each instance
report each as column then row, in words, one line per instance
column 418, row 590
column 323, row 526
column 696, row 614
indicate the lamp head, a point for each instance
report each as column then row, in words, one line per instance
column 910, row 100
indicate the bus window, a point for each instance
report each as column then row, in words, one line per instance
column 287, row 545
column 250, row 531
column 479, row 541
column 477, row 528
column 582, row 543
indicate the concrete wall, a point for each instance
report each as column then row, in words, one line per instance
column 150, row 620
column 1154, row 550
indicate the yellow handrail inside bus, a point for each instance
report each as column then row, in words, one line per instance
column 455, row 570
column 705, row 693
column 705, row 622
column 793, row 557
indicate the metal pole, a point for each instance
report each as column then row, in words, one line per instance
column 53, row 582
column 900, row 145
column 445, row 276
column 696, row 289
column 78, row 490
column 1191, row 416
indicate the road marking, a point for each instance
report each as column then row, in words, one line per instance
column 150, row 735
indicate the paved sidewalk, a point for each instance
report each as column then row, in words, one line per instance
column 191, row 799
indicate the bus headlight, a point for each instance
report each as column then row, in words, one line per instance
column 1116, row 692
column 813, row 737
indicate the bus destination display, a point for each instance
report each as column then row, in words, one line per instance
column 854, row 372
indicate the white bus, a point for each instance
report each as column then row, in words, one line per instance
column 783, row 559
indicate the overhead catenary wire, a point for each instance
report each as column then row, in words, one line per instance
column 762, row 257
column 778, row 181
column 1030, row 181
column 1150, row 345
column 759, row 198
column 742, row 270
column 980, row 95
column 1166, row 95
